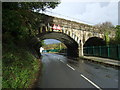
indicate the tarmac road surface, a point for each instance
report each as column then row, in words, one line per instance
column 61, row 72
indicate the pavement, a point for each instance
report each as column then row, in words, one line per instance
column 111, row 62
column 103, row 60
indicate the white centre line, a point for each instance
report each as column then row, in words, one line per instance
column 91, row 82
column 61, row 61
column 70, row 67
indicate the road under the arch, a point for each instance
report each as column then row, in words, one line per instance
column 71, row 44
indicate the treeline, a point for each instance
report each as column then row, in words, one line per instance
column 107, row 28
column 54, row 46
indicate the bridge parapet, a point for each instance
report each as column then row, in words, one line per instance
column 67, row 23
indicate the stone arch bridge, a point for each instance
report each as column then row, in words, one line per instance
column 73, row 34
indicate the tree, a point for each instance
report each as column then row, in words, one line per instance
column 105, row 27
column 108, row 29
column 117, row 37
column 19, row 19
column 20, row 23
column 107, row 39
column 31, row 6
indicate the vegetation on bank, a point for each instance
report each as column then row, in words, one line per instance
column 20, row 60
column 19, row 68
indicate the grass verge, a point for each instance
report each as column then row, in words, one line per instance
column 19, row 69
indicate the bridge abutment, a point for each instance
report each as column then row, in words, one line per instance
column 80, row 49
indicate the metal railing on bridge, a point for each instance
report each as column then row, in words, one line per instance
column 110, row 51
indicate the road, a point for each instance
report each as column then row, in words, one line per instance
column 62, row 72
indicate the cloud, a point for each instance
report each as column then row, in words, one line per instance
column 89, row 1
column 88, row 12
column 95, row 13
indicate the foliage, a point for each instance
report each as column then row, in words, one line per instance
column 31, row 6
column 117, row 37
column 107, row 28
column 19, row 24
column 20, row 21
column 43, row 43
column 13, row 26
column 19, row 68
column 54, row 46
column 107, row 39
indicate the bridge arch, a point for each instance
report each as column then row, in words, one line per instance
column 71, row 44
column 94, row 41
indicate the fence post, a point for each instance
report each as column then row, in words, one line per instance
column 118, row 52
column 92, row 50
column 100, row 50
column 108, row 51
column 88, row 50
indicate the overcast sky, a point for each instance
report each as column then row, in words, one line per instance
column 87, row 12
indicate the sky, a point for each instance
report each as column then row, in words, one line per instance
column 51, row 41
column 91, row 13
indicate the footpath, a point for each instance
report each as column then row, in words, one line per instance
column 103, row 60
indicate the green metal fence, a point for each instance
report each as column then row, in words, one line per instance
column 110, row 51
column 52, row 50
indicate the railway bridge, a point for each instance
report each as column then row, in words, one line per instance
column 73, row 34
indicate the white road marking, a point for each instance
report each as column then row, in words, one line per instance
column 61, row 61
column 70, row 67
column 91, row 82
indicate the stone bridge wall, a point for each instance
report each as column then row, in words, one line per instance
column 78, row 31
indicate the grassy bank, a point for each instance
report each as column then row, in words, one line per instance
column 19, row 68
column 20, row 47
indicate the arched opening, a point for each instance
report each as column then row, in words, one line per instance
column 94, row 41
column 71, row 44
column 53, row 46
column 92, row 46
